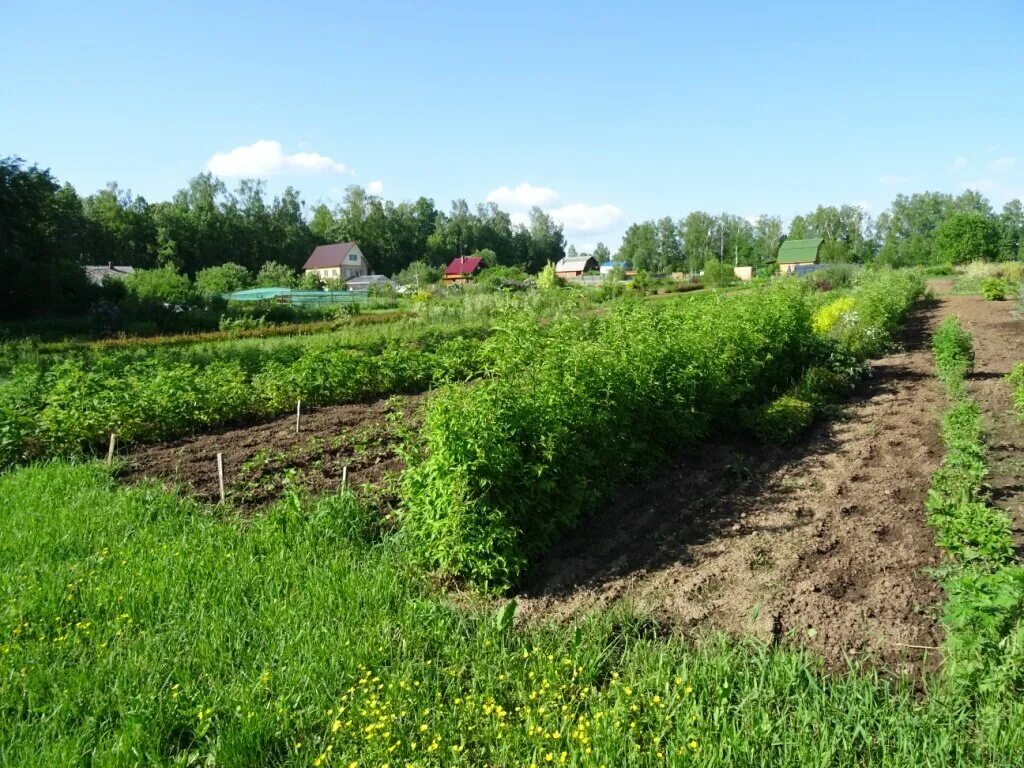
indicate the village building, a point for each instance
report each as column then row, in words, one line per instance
column 97, row 274
column 797, row 254
column 462, row 268
column 575, row 267
column 337, row 261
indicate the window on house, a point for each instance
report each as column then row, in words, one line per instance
column 353, row 257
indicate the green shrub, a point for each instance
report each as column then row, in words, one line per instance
column 717, row 274
column 954, row 352
column 994, row 289
column 783, row 420
column 1016, row 380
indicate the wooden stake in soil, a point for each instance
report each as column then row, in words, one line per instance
column 344, row 478
column 110, row 450
column 220, row 475
column 298, row 415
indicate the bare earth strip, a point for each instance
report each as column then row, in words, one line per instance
column 824, row 543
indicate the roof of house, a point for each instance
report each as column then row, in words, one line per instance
column 800, row 251
column 578, row 264
column 464, row 265
column 614, row 264
column 332, row 255
column 97, row 273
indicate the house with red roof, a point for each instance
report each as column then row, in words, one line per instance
column 337, row 261
column 462, row 268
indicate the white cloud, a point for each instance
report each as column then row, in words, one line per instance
column 523, row 196
column 519, row 217
column 579, row 218
column 891, row 180
column 375, row 187
column 960, row 163
column 267, row 158
column 864, row 205
column 1002, row 164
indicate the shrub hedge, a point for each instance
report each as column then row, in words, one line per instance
column 573, row 407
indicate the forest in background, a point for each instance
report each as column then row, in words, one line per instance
column 48, row 231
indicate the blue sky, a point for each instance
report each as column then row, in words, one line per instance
column 602, row 115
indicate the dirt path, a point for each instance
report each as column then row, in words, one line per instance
column 998, row 331
column 363, row 437
column 824, row 543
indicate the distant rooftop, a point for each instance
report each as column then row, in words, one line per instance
column 97, row 273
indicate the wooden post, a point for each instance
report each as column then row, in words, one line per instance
column 110, row 450
column 298, row 415
column 220, row 475
column 344, row 478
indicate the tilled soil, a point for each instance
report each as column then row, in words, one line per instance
column 998, row 331
column 362, row 437
column 824, row 544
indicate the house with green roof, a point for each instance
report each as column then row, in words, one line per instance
column 797, row 253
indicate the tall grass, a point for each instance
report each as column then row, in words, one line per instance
column 140, row 629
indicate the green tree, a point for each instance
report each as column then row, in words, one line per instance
column 640, row 247
column 698, row 229
column 417, row 274
column 717, row 274
column 602, row 254
column 164, row 285
column 1011, row 230
column 548, row 279
column 276, row 275
column 226, row 278
column 967, row 235
column 43, row 244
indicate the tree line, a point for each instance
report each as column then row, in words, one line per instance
column 48, row 232
column 918, row 229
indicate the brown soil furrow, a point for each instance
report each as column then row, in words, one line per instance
column 362, row 437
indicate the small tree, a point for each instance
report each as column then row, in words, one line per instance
column 273, row 274
column 227, row 278
column 310, row 281
column 717, row 274
column 548, row 278
column 165, row 285
column 417, row 274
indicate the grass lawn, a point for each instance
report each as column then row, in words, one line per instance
column 138, row 628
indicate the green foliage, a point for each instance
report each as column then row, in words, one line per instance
column 548, row 279
column 1016, row 380
column 966, row 235
column 226, row 278
column 717, row 274
column 512, row 464
column 160, row 286
column 140, row 629
column 984, row 612
column 783, row 420
column 994, row 289
column 494, row 278
column 160, row 392
column 275, row 275
column 954, row 352
column 419, row 273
